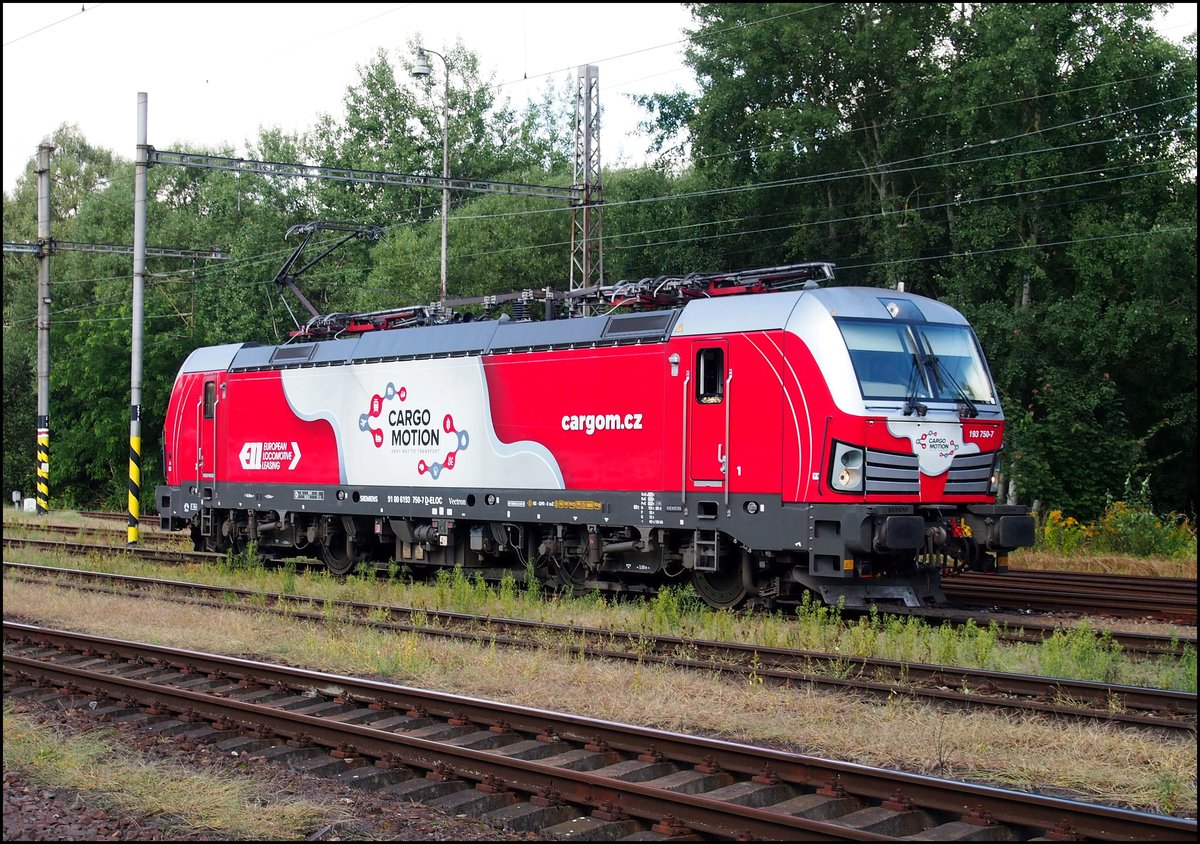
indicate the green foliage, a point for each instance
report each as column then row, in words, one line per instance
column 671, row 609
column 1059, row 534
column 1030, row 164
column 1181, row 674
column 20, row 414
column 1081, row 653
column 289, row 578
column 1128, row 526
column 1067, row 418
column 246, row 558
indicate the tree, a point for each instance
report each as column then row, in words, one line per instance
column 1032, row 165
column 1094, row 114
column 78, row 171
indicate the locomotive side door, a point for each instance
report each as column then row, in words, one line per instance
column 708, row 417
column 206, row 435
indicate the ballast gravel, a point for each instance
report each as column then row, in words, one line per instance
column 36, row 812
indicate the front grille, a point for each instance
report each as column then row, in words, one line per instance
column 971, row 474
column 899, row 474
column 888, row 472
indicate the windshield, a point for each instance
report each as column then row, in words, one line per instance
column 901, row 360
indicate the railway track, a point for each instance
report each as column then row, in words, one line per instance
column 154, row 539
column 944, row 685
column 1124, row 596
column 158, row 554
column 1030, row 631
column 530, row 769
column 110, row 517
column 1170, row 599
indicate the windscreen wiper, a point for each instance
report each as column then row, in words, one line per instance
column 915, row 378
column 962, row 403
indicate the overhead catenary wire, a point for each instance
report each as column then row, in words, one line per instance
column 263, row 258
column 82, row 9
column 891, row 165
column 611, row 238
column 815, row 179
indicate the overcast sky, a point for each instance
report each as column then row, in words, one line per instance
column 215, row 72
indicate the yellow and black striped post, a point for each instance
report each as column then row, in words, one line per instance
column 139, row 304
column 45, row 248
column 43, row 465
column 135, row 476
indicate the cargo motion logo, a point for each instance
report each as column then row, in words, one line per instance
column 941, row 445
column 435, row 469
column 935, row 446
column 412, row 430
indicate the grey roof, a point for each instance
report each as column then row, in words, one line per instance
column 718, row 315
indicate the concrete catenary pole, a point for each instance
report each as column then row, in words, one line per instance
column 43, row 329
column 141, row 164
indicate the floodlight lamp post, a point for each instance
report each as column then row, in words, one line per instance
column 423, row 70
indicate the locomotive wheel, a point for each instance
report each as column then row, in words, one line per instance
column 221, row 545
column 337, row 559
column 569, row 571
column 721, row 589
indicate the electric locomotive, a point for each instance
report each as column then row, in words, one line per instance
column 756, row 434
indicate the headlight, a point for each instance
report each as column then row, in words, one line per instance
column 846, row 474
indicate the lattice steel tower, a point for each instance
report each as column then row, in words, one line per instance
column 587, row 248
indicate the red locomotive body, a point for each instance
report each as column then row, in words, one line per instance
column 839, row 440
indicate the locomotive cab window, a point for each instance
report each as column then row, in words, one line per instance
column 210, row 399
column 924, row 361
column 710, row 376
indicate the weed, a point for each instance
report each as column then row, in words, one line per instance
column 864, row 634
column 754, row 678
column 113, row 777
column 1080, row 653
column 941, row 747
column 506, row 593
column 379, row 615
column 1129, row 526
column 1062, row 535
column 1167, row 787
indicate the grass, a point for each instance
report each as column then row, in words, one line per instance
column 1095, row 563
column 1078, row 652
column 1025, row 751
column 1097, row 761
column 187, row 801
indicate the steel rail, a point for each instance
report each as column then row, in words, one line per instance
column 1143, row 643
column 894, row 790
column 1121, row 704
column 1046, row 597
column 156, row 554
column 1086, row 578
column 154, row 538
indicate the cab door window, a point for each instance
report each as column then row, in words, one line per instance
column 710, row 376
column 210, row 399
